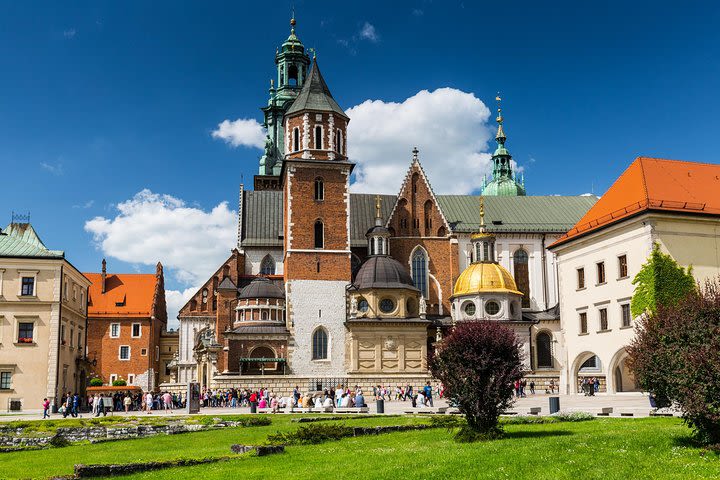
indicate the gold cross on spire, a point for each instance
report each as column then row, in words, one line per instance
column 377, row 206
column 482, row 212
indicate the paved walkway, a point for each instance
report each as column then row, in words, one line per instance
column 635, row 403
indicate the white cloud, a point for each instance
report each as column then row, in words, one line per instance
column 245, row 132
column 368, row 32
column 151, row 227
column 85, row 205
column 55, row 169
column 448, row 126
column 175, row 300
column 70, row 33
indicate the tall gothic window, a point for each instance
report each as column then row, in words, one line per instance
column 320, row 344
column 267, row 266
column 318, row 137
column 544, row 350
column 296, row 139
column 319, row 189
column 319, row 234
column 420, row 271
column 338, row 141
column 522, row 278
column 427, row 210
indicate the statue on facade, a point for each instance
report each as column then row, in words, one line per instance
column 423, row 307
column 353, row 307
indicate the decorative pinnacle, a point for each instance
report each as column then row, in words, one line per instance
column 482, row 212
column 415, row 154
column 292, row 21
column 499, row 118
column 377, row 206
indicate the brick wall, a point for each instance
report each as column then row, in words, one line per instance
column 107, row 350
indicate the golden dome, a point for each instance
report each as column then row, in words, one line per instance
column 484, row 277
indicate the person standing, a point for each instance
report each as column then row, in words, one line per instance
column 148, row 403
column 428, row 394
column 127, row 402
column 532, row 387
column 167, row 401
column 46, row 408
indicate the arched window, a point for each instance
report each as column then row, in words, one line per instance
column 544, row 350
column 420, row 271
column 319, row 235
column 441, row 232
column 319, row 189
column 293, row 76
column 318, row 137
column 427, row 210
column 264, row 315
column 320, row 344
column 296, row 139
column 267, row 266
column 522, row 279
column 338, row 141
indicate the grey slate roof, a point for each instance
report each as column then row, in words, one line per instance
column 261, row 287
column 227, row 284
column 315, row 95
column 382, row 272
column 21, row 240
column 261, row 329
column 262, row 216
column 515, row 214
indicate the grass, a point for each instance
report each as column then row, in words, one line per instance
column 604, row 449
column 212, row 443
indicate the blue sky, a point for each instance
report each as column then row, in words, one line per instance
column 103, row 100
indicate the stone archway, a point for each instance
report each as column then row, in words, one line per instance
column 580, row 368
column 259, row 368
column 619, row 376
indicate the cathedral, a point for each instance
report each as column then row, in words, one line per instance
column 326, row 286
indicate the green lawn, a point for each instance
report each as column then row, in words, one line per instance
column 603, row 448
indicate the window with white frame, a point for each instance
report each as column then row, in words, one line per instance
column 114, row 330
column 124, row 353
column 113, row 377
column 143, row 352
column 2, row 270
column 136, row 330
column 130, row 378
column 625, row 314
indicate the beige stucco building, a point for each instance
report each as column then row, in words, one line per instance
column 674, row 204
column 43, row 322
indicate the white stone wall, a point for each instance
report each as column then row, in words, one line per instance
column 254, row 257
column 311, row 304
column 543, row 290
column 189, row 326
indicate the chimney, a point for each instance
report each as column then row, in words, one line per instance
column 104, row 274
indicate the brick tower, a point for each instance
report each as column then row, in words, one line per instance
column 316, row 179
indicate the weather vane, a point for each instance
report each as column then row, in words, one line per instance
column 499, row 118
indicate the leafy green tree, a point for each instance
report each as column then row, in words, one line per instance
column 660, row 281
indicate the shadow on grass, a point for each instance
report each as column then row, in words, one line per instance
column 537, row 434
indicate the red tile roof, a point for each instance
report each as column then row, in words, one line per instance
column 135, row 291
column 653, row 184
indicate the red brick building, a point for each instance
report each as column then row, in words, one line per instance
column 126, row 317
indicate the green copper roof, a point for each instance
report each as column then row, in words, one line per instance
column 551, row 214
column 503, row 187
column 21, row 240
column 263, row 211
column 315, row 95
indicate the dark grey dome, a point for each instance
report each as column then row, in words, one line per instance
column 378, row 230
column 261, row 287
column 382, row 272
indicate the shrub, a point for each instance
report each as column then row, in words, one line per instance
column 676, row 356
column 96, row 382
column 119, row 383
column 478, row 363
column 573, row 416
column 58, row 441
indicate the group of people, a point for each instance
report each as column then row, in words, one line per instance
column 590, row 386
column 424, row 394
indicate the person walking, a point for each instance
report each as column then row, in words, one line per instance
column 532, row 387
column 427, row 390
column 46, row 408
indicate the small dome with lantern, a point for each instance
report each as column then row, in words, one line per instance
column 485, row 290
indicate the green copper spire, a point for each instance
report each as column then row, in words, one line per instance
column 503, row 181
column 292, row 63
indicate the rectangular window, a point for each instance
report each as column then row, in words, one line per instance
column 622, row 266
column 625, row 313
column 603, row 319
column 143, row 351
column 114, row 330
column 124, row 352
column 25, row 332
column 62, row 335
column 113, row 377
column 601, row 273
column 157, row 354
column 79, row 343
column 74, row 292
column 583, row 322
column 136, row 332
column 580, row 278
column 82, row 301
column 28, row 287
column 5, row 380
column 72, row 335
column 130, row 379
